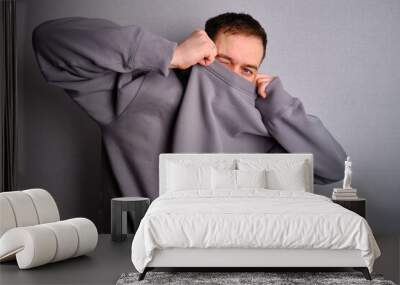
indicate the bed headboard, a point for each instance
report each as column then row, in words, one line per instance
column 164, row 157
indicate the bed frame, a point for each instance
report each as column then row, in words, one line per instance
column 249, row 259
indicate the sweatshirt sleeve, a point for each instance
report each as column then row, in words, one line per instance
column 92, row 58
column 298, row 132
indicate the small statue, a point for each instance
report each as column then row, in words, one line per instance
column 347, row 174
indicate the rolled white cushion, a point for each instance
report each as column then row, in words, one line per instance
column 46, row 207
column 26, row 208
column 7, row 218
column 33, row 245
column 40, row 244
column 67, row 240
column 23, row 208
column 87, row 233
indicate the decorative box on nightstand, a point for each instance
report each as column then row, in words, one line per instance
column 357, row 205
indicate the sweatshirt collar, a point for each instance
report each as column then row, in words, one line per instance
column 231, row 78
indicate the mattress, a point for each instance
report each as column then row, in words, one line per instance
column 250, row 218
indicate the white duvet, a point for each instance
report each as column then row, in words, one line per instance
column 251, row 218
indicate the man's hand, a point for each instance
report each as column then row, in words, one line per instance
column 262, row 81
column 197, row 48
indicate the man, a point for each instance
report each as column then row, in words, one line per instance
column 121, row 76
column 236, row 40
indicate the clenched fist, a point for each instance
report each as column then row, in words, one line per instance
column 197, row 48
column 262, row 81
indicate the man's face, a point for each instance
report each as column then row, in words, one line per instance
column 240, row 53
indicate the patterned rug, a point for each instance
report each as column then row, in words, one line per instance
column 244, row 278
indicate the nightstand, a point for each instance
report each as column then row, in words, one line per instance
column 137, row 206
column 358, row 206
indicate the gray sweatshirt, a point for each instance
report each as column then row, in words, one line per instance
column 120, row 76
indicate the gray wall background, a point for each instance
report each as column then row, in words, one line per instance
column 339, row 57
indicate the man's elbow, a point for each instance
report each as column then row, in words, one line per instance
column 326, row 180
column 332, row 170
column 39, row 35
column 44, row 35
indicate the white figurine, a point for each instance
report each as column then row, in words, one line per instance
column 347, row 174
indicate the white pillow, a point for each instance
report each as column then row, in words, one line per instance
column 251, row 178
column 229, row 179
column 282, row 174
column 187, row 177
column 223, row 179
column 290, row 179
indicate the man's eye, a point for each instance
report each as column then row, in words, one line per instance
column 248, row 71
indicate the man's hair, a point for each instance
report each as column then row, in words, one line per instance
column 236, row 23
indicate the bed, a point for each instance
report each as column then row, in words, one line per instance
column 245, row 211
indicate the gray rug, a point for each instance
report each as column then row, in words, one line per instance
column 225, row 278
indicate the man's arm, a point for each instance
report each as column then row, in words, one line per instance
column 92, row 58
column 297, row 132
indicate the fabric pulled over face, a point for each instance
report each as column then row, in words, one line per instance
column 218, row 114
